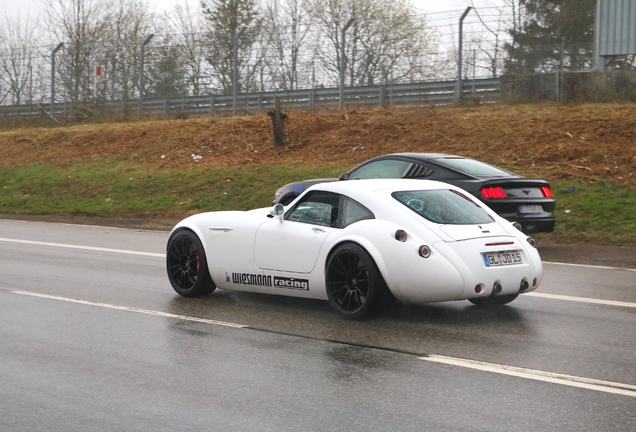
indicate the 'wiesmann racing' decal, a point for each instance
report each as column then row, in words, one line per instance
column 283, row 282
column 264, row 280
column 250, row 279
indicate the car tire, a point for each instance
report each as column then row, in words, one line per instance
column 187, row 265
column 493, row 300
column 354, row 284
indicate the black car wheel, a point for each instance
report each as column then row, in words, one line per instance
column 354, row 283
column 187, row 266
column 493, row 300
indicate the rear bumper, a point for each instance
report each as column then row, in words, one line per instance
column 532, row 225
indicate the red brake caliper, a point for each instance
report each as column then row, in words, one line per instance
column 196, row 255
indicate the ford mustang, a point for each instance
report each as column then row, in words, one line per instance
column 359, row 244
column 526, row 201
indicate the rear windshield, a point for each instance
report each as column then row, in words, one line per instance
column 444, row 206
column 473, row 167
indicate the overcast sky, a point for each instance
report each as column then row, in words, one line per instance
column 31, row 7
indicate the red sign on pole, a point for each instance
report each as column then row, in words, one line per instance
column 98, row 70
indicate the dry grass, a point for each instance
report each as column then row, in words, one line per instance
column 589, row 141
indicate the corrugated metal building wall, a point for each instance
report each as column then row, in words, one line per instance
column 615, row 30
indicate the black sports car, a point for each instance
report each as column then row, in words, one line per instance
column 516, row 198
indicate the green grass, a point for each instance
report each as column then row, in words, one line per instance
column 594, row 213
column 117, row 189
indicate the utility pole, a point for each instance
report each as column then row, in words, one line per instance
column 460, row 88
column 57, row 48
column 237, row 36
column 343, row 59
column 142, row 58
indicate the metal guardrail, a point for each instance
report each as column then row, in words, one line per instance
column 402, row 95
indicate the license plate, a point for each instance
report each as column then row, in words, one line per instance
column 531, row 209
column 494, row 259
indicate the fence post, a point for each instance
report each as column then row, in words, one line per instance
column 142, row 57
column 343, row 59
column 235, row 69
column 60, row 45
column 310, row 100
column 212, row 104
column 460, row 88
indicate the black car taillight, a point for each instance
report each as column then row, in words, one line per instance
column 493, row 192
column 547, row 193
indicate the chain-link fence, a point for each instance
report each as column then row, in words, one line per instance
column 171, row 71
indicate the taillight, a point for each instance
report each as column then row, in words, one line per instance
column 493, row 192
column 545, row 190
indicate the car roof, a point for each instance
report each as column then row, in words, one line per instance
column 422, row 156
column 366, row 187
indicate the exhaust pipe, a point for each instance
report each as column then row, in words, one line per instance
column 496, row 288
column 524, row 285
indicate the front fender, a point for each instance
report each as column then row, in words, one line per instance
column 192, row 223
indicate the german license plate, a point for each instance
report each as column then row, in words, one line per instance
column 531, row 209
column 494, row 259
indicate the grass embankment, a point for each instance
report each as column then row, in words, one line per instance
column 114, row 189
column 589, row 212
column 171, row 168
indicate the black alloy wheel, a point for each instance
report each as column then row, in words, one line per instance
column 490, row 301
column 187, row 266
column 354, row 283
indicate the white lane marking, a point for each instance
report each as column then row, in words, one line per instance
column 99, row 249
column 132, row 309
column 163, row 255
column 581, row 299
column 569, row 380
column 547, row 296
column 71, row 224
column 554, row 378
column 589, row 266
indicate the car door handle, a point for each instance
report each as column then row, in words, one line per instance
column 316, row 229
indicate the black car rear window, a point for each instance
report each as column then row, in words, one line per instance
column 473, row 167
column 444, row 206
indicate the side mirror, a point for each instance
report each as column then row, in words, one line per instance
column 278, row 210
column 344, row 176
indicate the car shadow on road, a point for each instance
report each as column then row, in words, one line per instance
column 315, row 318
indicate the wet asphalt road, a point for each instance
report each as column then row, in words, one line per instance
column 95, row 339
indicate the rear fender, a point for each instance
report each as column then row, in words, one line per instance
column 398, row 262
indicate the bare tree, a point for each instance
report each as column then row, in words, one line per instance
column 488, row 43
column 189, row 25
column 225, row 20
column 396, row 44
column 18, row 56
column 81, row 25
column 129, row 23
column 288, row 26
column 388, row 40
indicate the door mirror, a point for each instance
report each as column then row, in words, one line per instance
column 344, row 176
column 278, row 210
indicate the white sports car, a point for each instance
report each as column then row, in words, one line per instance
column 359, row 244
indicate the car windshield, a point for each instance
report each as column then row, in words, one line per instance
column 444, row 206
column 473, row 167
